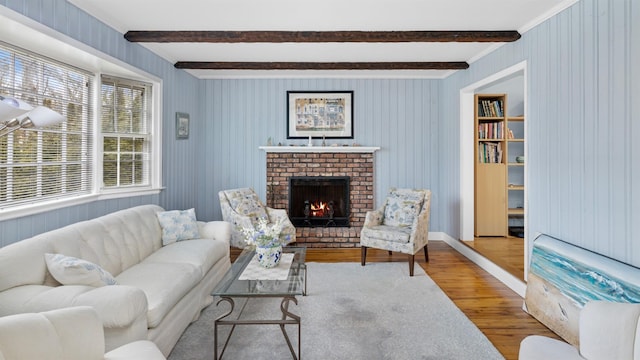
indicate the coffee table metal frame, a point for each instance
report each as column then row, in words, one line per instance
column 231, row 287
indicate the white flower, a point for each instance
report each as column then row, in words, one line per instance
column 264, row 235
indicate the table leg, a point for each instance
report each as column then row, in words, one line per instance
column 284, row 307
column 288, row 318
column 215, row 328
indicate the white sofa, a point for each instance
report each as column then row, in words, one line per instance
column 74, row 333
column 607, row 330
column 160, row 289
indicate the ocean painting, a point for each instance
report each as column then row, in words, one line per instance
column 563, row 278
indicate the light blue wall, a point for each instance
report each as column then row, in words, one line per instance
column 181, row 93
column 400, row 116
column 583, row 95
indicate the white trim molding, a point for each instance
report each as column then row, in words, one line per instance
column 512, row 282
column 320, row 149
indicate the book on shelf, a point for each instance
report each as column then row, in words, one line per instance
column 491, row 108
column 492, row 130
column 490, row 153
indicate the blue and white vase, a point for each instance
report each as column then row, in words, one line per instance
column 269, row 257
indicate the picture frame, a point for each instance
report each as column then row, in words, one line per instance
column 182, row 125
column 320, row 114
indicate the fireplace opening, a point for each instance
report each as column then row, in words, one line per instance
column 320, row 201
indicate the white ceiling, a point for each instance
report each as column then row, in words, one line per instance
column 327, row 15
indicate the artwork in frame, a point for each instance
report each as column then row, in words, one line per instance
column 182, row 125
column 320, row 114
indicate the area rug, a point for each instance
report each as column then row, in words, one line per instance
column 350, row 312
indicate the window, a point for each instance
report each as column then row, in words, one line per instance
column 54, row 162
column 125, row 124
column 105, row 148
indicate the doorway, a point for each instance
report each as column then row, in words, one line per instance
column 508, row 253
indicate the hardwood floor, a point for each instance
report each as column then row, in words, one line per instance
column 506, row 252
column 493, row 307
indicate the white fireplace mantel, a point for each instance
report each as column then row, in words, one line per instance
column 320, row 149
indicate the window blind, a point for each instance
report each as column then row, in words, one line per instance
column 53, row 162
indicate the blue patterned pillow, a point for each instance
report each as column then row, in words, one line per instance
column 69, row 270
column 402, row 207
column 178, row 225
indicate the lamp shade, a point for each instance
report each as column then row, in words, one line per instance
column 42, row 116
column 11, row 108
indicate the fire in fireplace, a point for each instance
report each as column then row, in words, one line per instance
column 319, row 201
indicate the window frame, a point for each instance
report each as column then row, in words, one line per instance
column 31, row 36
column 148, row 135
column 155, row 137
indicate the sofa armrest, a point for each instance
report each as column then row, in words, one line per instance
column 217, row 230
column 71, row 333
column 608, row 330
column 287, row 231
column 118, row 306
column 536, row 347
column 373, row 217
column 238, row 222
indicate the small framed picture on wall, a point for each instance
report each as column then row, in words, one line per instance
column 182, row 125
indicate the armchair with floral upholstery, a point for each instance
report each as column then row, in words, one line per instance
column 243, row 209
column 401, row 224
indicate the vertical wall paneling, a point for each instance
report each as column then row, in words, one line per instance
column 583, row 100
column 582, row 105
column 633, row 104
column 385, row 115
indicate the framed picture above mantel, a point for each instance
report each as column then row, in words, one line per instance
column 320, row 114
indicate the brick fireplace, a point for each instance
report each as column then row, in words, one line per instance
column 357, row 163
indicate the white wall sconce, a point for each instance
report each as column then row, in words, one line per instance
column 16, row 114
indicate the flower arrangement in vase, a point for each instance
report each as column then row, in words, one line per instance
column 265, row 238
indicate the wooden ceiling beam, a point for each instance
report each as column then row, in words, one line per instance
column 203, row 65
column 320, row 36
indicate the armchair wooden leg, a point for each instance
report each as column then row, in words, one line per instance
column 426, row 254
column 363, row 254
column 411, row 262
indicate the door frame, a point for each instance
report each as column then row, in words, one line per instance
column 467, row 178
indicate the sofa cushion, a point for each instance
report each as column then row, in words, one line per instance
column 69, row 270
column 402, row 207
column 161, row 295
column 138, row 350
column 388, row 233
column 201, row 253
column 178, row 225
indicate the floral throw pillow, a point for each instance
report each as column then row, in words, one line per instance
column 403, row 205
column 69, row 270
column 178, row 225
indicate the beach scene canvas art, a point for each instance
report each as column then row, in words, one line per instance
column 563, row 278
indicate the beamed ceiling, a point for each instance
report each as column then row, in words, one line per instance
column 355, row 38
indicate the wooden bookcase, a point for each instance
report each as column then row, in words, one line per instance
column 515, row 174
column 491, row 217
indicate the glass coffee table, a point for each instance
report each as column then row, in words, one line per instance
column 247, row 280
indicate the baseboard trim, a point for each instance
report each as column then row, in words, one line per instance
column 515, row 284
